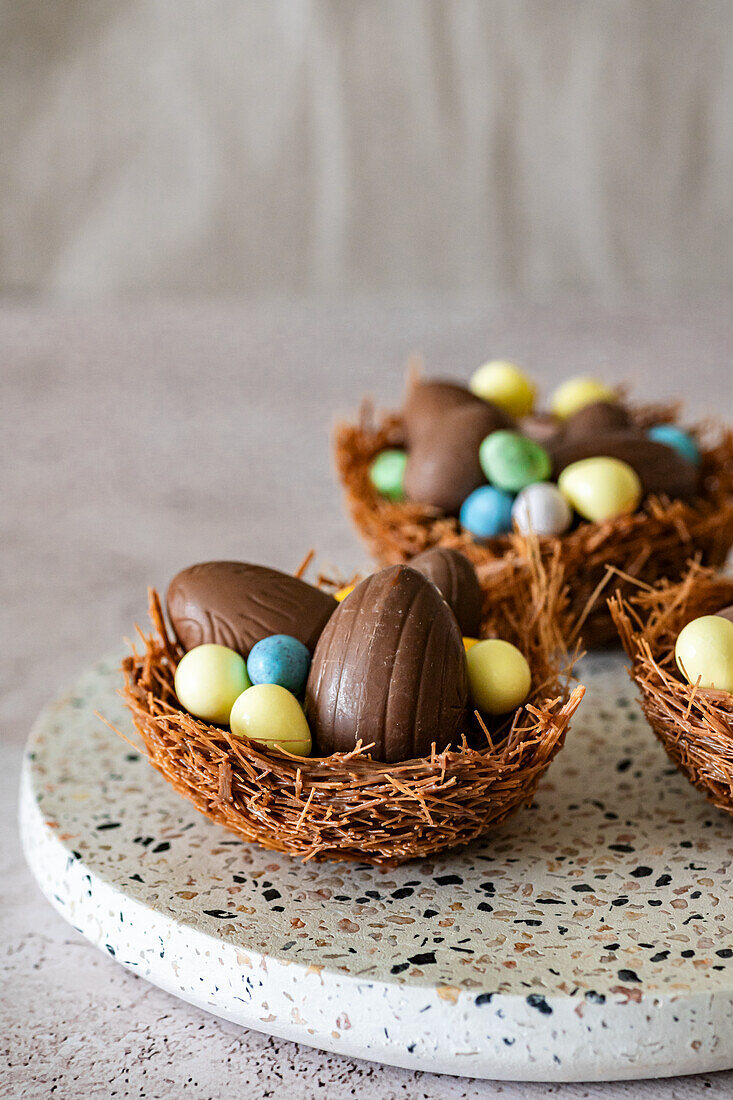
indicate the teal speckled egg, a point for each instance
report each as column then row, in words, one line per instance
column 676, row 439
column 281, row 660
column 511, row 461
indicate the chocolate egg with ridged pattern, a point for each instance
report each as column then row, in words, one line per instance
column 455, row 578
column 389, row 670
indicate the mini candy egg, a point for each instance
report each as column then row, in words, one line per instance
column 279, row 659
column 343, row 592
column 208, row 680
column 505, row 385
column 676, row 439
column 469, row 643
column 704, row 652
column 387, row 474
column 601, row 488
column 541, row 508
column 510, row 461
column 271, row 715
column 574, row 394
column 487, row 512
column 499, row 677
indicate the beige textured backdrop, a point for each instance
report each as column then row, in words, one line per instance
column 226, row 146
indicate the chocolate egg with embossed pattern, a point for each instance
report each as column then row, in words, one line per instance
column 661, row 469
column 236, row 604
column 389, row 670
column 455, row 578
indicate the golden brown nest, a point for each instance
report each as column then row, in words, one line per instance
column 348, row 806
column 694, row 724
column 654, row 543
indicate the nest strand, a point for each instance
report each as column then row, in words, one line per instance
column 653, row 543
column 694, row 724
column 348, row 806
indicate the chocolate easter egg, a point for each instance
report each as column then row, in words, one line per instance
column 599, row 418
column 543, row 428
column 236, row 604
column 455, row 578
column 661, row 470
column 429, row 402
column 443, row 467
column 726, row 613
column 389, row 670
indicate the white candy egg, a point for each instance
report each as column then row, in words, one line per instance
column 541, row 508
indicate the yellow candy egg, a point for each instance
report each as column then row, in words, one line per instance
column 273, row 717
column 505, row 385
column 342, row 593
column 576, row 393
column 469, row 643
column 704, row 652
column 208, row 680
column 600, row 489
column 498, row 675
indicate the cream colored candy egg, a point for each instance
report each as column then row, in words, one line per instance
column 576, row 393
column 541, row 508
column 273, row 717
column 600, row 489
column 704, row 652
column 505, row 385
column 498, row 675
column 208, row 680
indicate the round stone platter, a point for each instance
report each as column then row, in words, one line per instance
column 589, row 938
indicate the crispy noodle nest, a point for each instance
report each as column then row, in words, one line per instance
column 655, row 542
column 694, row 724
column 348, row 806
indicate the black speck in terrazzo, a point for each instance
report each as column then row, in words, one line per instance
column 144, row 840
column 424, row 958
column 483, row 999
column 641, row 872
column 108, row 825
column 485, row 907
column 449, row 880
column 220, row 914
column 620, row 848
column 411, row 1047
column 239, row 878
column 403, row 892
column 611, row 946
column 628, row 976
column 620, row 901
column 685, row 844
column 582, row 888
column 489, row 887
column 430, row 913
column 688, row 954
column 509, row 1042
column 373, row 894
column 623, row 765
column 162, row 847
column 110, row 948
column 660, row 956
column 695, row 895
column 271, row 894
column 654, row 902
column 550, row 901
column 561, row 929
column 693, row 916
column 136, row 878
column 725, row 953
column 595, row 998
column 399, row 968
column 526, row 920
column 535, row 1000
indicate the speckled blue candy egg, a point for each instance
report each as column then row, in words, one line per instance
column 677, row 439
column 487, row 512
column 281, row 660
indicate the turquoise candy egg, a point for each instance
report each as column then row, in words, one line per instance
column 487, row 512
column 281, row 660
column 387, row 474
column 511, row 461
column 676, row 439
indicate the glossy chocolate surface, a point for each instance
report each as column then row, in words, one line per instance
column 389, row 670
column 455, row 578
column 237, row 604
column 661, row 469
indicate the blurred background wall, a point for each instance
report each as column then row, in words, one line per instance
column 515, row 147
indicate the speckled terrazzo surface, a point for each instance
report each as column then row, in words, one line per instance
column 102, row 496
column 589, row 937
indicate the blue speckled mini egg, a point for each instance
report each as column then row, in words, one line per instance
column 487, row 512
column 281, row 660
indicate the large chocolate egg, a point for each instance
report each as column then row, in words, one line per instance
column 661, row 469
column 427, row 403
column 389, row 670
column 455, row 578
column 443, row 467
column 236, row 604
column 599, row 418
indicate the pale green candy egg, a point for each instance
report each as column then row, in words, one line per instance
column 498, row 675
column 576, row 393
column 510, row 461
column 600, row 489
column 504, row 385
column 208, row 680
column 387, row 474
column 704, row 652
column 273, row 717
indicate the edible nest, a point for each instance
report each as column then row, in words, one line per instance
column 694, row 724
column 348, row 806
column 655, row 542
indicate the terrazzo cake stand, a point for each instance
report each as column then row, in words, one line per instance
column 589, row 938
